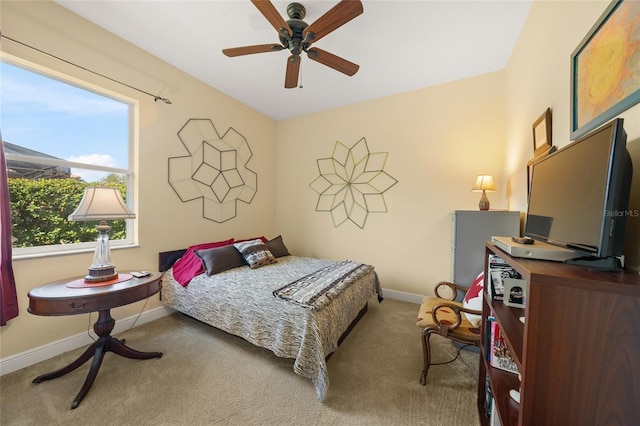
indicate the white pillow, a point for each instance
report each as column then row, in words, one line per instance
column 255, row 253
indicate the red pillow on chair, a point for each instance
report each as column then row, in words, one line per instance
column 473, row 299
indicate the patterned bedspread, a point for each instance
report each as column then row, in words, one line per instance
column 241, row 301
column 319, row 288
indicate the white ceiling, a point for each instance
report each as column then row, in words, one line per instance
column 399, row 45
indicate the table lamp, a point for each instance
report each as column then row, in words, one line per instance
column 484, row 184
column 101, row 204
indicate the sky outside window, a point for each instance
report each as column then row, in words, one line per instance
column 59, row 119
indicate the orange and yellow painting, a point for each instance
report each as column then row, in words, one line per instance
column 608, row 68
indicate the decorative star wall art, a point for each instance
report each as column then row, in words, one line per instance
column 215, row 170
column 352, row 183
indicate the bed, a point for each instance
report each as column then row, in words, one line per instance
column 296, row 307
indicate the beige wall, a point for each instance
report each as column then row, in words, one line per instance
column 163, row 221
column 438, row 140
column 538, row 76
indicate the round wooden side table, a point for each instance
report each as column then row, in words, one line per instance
column 72, row 297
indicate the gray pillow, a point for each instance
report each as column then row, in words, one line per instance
column 277, row 247
column 220, row 259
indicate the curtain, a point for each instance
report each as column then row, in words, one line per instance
column 8, row 295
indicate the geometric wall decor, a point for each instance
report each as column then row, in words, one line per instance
column 352, row 183
column 215, row 170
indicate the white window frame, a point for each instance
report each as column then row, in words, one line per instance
column 133, row 106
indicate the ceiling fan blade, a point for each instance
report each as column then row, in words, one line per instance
column 293, row 68
column 337, row 16
column 249, row 50
column 269, row 11
column 333, row 61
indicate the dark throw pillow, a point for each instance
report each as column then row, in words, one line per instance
column 277, row 247
column 190, row 265
column 220, row 259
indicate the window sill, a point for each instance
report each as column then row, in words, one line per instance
column 67, row 252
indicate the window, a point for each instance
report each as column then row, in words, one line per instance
column 58, row 139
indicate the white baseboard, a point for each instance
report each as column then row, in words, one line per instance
column 41, row 353
column 403, row 296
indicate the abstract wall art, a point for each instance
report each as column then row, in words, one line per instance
column 215, row 170
column 605, row 68
column 351, row 183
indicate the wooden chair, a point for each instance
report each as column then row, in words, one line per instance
column 444, row 316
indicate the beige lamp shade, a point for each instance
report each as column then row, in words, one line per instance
column 101, row 204
column 484, row 183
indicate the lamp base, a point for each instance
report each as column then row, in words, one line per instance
column 101, row 273
column 484, row 202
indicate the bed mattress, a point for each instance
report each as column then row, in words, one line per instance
column 241, row 301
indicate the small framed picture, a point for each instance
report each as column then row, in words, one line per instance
column 542, row 134
column 515, row 292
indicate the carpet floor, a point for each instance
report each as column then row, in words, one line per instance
column 208, row 377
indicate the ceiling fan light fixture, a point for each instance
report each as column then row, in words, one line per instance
column 297, row 36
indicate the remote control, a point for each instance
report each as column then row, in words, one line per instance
column 523, row 240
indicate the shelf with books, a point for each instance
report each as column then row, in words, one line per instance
column 501, row 381
column 500, row 356
column 499, row 271
column 573, row 316
column 508, row 319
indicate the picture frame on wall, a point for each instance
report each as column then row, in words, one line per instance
column 542, row 134
column 605, row 71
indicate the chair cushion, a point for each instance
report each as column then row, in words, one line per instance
column 473, row 299
column 445, row 316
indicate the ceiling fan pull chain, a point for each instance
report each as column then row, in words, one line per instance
column 300, row 78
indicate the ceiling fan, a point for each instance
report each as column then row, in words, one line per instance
column 297, row 36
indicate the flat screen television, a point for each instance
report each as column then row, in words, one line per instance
column 579, row 195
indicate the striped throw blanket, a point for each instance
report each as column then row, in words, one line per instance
column 320, row 287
